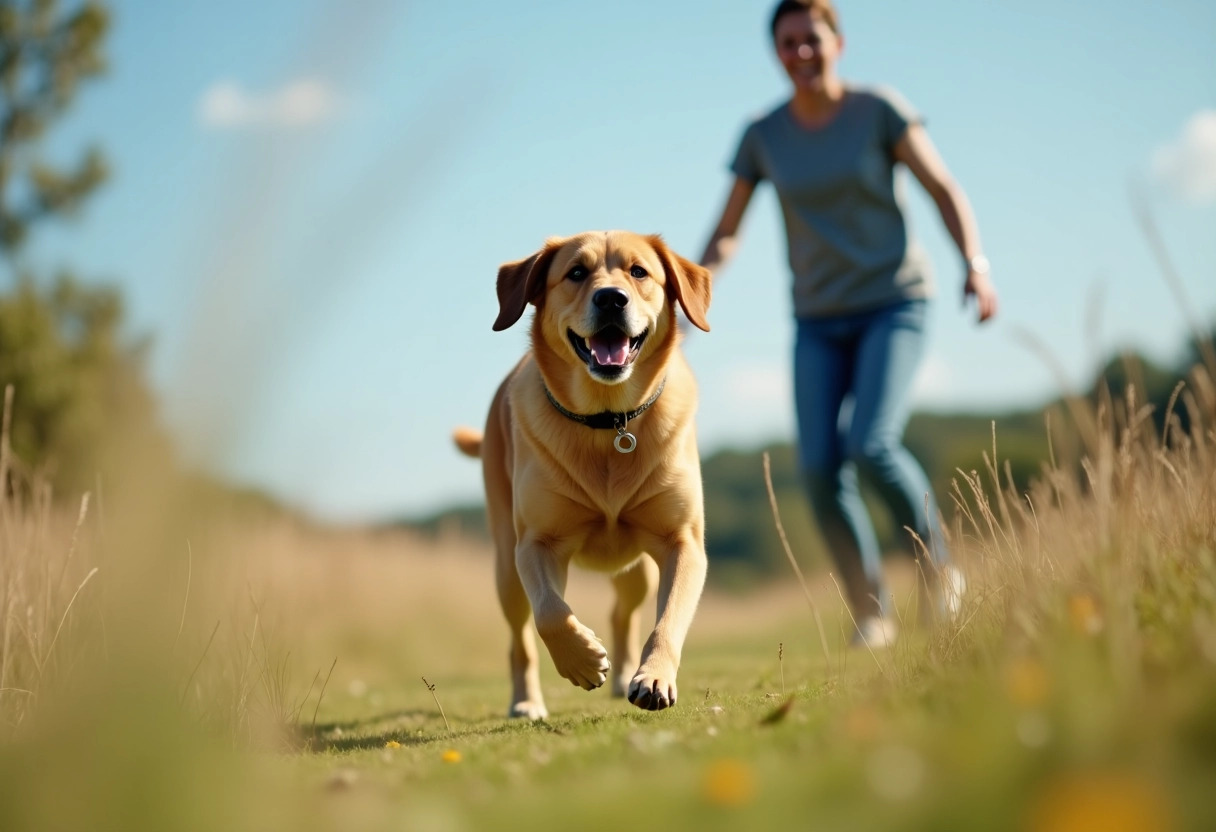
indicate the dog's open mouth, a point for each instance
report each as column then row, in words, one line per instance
column 608, row 352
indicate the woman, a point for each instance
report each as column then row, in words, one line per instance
column 860, row 290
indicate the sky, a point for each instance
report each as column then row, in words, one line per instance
column 310, row 200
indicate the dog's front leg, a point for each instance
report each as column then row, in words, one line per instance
column 577, row 654
column 682, row 568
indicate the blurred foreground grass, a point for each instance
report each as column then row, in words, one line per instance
column 157, row 660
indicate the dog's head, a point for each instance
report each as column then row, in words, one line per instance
column 604, row 299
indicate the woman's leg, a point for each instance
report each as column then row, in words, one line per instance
column 823, row 372
column 888, row 355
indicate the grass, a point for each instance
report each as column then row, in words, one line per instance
column 167, row 666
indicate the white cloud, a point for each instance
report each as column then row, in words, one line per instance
column 1188, row 163
column 226, row 105
column 759, row 386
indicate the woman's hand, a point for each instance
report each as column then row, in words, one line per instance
column 980, row 285
column 916, row 151
column 722, row 243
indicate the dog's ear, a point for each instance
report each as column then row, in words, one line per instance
column 689, row 283
column 522, row 282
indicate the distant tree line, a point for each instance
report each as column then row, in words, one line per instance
column 742, row 540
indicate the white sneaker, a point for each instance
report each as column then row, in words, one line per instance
column 875, row 632
column 953, row 587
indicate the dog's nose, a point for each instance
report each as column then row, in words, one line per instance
column 610, row 298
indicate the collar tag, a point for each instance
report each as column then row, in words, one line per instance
column 625, row 442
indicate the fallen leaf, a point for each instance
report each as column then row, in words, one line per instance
column 779, row 713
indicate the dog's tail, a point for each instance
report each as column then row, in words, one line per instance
column 468, row 441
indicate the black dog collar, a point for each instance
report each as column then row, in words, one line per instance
column 625, row 442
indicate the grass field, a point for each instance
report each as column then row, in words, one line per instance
column 169, row 665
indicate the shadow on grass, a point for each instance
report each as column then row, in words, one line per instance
column 356, row 724
column 421, row 727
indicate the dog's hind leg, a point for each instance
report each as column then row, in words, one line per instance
column 632, row 585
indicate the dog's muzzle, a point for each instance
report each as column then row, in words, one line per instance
column 610, row 351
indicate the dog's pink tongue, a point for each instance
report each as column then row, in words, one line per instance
column 609, row 349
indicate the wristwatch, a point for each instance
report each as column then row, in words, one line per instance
column 979, row 264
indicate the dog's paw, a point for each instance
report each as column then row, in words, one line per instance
column 651, row 691
column 577, row 654
column 528, row 710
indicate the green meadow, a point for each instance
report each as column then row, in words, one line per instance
column 175, row 660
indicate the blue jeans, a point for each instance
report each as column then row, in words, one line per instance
column 861, row 366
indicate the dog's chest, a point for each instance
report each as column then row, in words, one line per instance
column 617, row 482
column 625, row 513
column 608, row 544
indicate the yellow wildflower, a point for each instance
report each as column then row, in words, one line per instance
column 1084, row 615
column 1027, row 682
column 729, row 783
column 1101, row 802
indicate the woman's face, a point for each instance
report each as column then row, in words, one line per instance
column 808, row 50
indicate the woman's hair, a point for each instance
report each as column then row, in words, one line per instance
column 825, row 8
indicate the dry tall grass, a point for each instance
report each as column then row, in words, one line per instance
column 46, row 565
column 1118, row 544
column 231, row 613
column 1091, row 611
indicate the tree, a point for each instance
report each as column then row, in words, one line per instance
column 80, row 394
column 44, row 56
column 78, row 385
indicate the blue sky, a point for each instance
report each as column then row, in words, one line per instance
column 310, row 201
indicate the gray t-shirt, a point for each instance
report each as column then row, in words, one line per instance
column 849, row 246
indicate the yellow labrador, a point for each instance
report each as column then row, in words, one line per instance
column 590, row 457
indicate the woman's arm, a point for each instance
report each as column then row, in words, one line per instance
column 723, row 242
column 916, row 151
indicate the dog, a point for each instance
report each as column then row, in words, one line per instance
column 589, row 457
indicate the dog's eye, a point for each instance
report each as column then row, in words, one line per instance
column 638, row 272
column 577, row 274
